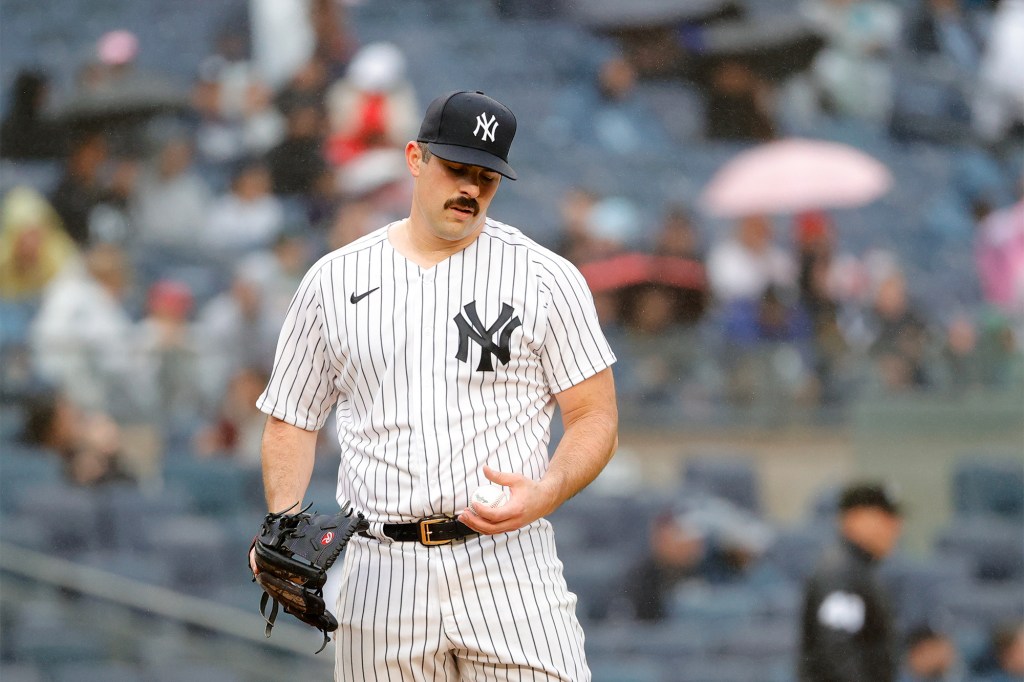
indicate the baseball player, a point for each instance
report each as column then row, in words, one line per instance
column 445, row 341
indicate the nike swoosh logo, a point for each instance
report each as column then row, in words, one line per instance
column 356, row 299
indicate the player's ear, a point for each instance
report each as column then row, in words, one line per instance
column 414, row 157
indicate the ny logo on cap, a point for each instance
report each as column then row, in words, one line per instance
column 489, row 127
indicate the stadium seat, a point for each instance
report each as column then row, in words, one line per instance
column 618, row 669
column 731, row 476
column 668, row 640
column 23, row 467
column 17, row 672
column 98, row 672
column 126, row 511
column 983, row 605
column 716, row 609
column 128, row 564
column 717, row 670
column 55, row 644
column 795, row 549
column 988, row 484
column 916, row 585
column 215, row 486
column 67, row 519
column 195, row 550
column 595, row 577
column 193, row 672
column 765, row 641
column 995, row 547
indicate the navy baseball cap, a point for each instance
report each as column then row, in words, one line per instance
column 470, row 128
column 870, row 494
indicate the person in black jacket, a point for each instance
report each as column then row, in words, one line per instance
column 847, row 628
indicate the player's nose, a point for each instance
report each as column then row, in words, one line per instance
column 470, row 188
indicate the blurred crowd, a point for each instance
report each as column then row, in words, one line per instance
column 145, row 287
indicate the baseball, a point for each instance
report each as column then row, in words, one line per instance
column 488, row 496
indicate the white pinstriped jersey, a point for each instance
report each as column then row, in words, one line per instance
column 435, row 371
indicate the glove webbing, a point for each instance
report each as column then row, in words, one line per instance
column 273, row 617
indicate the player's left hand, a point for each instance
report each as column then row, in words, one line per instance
column 528, row 501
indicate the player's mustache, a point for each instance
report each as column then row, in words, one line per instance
column 463, row 202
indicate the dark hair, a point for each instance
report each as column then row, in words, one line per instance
column 25, row 92
column 425, row 151
column 40, row 413
column 921, row 634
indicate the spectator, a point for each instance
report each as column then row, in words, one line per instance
column 847, row 628
column 900, row 344
column 236, row 430
column 767, row 351
column 677, row 550
column 334, row 40
column 607, row 113
column 743, row 266
column 283, row 39
column 353, row 220
column 960, row 368
column 87, row 443
column 297, row 163
column 237, row 115
column 677, row 237
column 819, row 299
column 575, row 240
column 739, row 104
column 33, row 245
column 306, row 88
column 234, row 330
column 84, row 341
column 246, row 218
column 930, row 656
column 659, row 354
column 999, row 257
column 999, row 353
column 170, row 200
column 853, row 72
column 26, row 133
column 279, row 270
column 373, row 107
column 114, row 74
column 168, row 343
column 942, row 30
column 378, row 179
column 998, row 104
column 81, row 189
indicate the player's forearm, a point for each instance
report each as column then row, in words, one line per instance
column 288, row 453
column 586, row 447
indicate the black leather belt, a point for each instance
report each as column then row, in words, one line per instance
column 430, row 531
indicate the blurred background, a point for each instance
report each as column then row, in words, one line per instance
column 802, row 222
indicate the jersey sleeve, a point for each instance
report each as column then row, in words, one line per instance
column 574, row 346
column 302, row 387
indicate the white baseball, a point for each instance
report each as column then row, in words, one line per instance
column 491, row 496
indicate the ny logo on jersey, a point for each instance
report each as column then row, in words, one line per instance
column 489, row 127
column 472, row 329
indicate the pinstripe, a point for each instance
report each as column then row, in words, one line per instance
column 416, row 423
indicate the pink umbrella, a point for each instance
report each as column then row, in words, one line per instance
column 794, row 175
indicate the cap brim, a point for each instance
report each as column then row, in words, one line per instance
column 473, row 157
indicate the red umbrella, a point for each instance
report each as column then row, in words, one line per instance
column 632, row 269
column 795, row 175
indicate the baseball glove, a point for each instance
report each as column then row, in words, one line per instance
column 293, row 553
